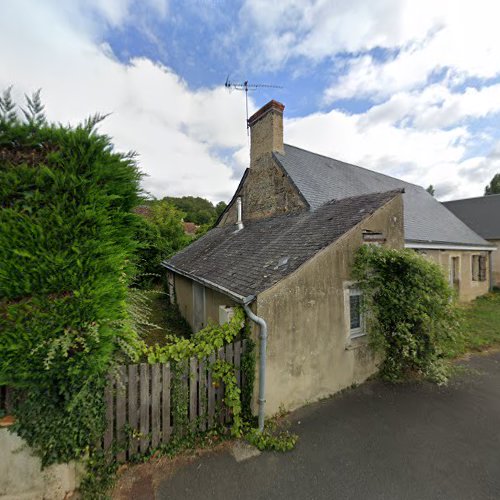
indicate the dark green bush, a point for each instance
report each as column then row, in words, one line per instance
column 66, row 260
column 410, row 311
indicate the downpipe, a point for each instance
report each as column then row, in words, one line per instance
column 262, row 362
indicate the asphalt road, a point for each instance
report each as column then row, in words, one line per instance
column 377, row 441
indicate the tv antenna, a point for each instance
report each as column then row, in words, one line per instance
column 246, row 87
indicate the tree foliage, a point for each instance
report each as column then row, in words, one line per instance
column 160, row 234
column 8, row 113
column 410, row 310
column 431, row 190
column 67, row 241
column 494, row 186
column 196, row 209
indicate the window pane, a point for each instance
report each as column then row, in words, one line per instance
column 355, row 308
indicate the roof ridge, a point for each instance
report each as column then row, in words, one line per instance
column 355, row 197
column 354, row 165
column 473, row 198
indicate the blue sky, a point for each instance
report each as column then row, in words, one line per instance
column 406, row 88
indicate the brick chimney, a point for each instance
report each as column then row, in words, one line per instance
column 266, row 131
column 265, row 190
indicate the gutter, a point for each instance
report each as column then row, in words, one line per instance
column 449, row 246
column 209, row 284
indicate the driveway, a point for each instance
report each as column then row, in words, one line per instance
column 378, row 441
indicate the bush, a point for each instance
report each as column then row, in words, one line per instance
column 66, row 246
column 160, row 234
column 410, row 310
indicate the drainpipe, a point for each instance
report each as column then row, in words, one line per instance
column 262, row 362
column 240, row 221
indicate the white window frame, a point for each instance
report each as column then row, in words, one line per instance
column 350, row 289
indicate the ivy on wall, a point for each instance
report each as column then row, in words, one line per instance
column 410, row 309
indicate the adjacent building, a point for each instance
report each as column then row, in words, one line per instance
column 481, row 214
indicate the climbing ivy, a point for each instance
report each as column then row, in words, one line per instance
column 410, row 311
column 224, row 371
column 202, row 344
column 248, row 373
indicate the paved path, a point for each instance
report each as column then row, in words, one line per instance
column 373, row 442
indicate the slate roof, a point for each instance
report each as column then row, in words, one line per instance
column 481, row 214
column 321, row 179
column 249, row 261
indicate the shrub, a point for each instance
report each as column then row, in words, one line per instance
column 66, row 246
column 160, row 234
column 410, row 310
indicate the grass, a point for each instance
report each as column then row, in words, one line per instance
column 164, row 319
column 481, row 326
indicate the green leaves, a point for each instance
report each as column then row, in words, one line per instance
column 201, row 345
column 411, row 311
column 67, row 244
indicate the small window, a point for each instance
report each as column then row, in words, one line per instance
column 356, row 326
column 478, row 268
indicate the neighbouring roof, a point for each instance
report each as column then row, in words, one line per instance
column 320, row 179
column 481, row 214
column 190, row 227
column 249, row 261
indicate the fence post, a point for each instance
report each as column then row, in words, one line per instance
column 211, row 392
column 144, row 409
column 155, row 405
column 166, row 428
column 121, row 399
column 202, row 393
column 133, row 445
column 193, row 390
column 108, row 395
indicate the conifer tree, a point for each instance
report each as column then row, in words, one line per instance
column 8, row 113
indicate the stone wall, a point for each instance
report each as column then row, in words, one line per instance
column 266, row 191
column 310, row 355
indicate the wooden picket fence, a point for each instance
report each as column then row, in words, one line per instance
column 139, row 402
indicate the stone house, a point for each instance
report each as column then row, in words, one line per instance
column 285, row 245
column 481, row 214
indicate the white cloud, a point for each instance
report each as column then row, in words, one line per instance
column 194, row 142
column 413, row 61
column 436, row 106
column 465, row 44
column 177, row 132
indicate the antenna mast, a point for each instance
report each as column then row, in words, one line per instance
column 245, row 86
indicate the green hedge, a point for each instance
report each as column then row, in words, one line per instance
column 66, row 260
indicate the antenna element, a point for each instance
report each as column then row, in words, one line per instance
column 245, row 86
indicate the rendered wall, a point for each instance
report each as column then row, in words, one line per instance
column 309, row 352
column 467, row 288
column 495, row 259
column 21, row 476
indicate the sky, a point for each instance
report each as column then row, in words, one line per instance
column 407, row 88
